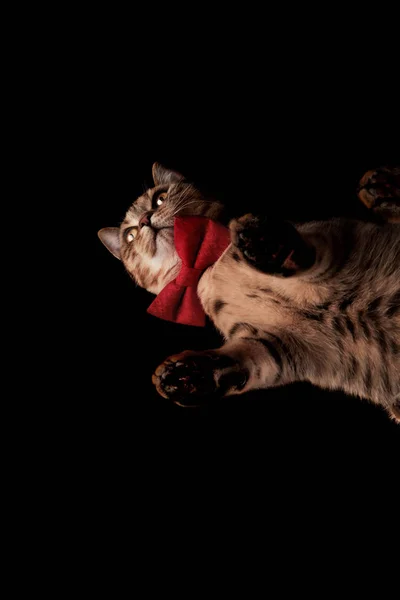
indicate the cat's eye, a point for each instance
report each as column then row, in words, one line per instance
column 130, row 234
column 160, row 198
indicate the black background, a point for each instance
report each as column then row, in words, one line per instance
column 290, row 137
column 267, row 119
column 301, row 160
column 298, row 160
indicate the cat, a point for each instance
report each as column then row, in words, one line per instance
column 316, row 302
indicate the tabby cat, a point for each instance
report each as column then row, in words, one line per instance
column 316, row 302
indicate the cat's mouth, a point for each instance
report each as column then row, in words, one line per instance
column 154, row 230
column 156, row 235
column 162, row 232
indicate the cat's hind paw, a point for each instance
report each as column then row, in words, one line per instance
column 192, row 378
column 379, row 190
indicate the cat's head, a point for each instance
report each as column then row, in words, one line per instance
column 144, row 241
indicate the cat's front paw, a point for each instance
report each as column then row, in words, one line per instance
column 270, row 245
column 193, row 378
column 379, row 190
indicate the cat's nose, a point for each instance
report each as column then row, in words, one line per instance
column 145, row 219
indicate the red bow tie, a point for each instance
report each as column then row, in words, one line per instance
column 199, row 243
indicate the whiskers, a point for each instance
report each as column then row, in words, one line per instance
column 186, row 199
column 184, row 206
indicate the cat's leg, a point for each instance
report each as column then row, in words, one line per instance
column 271, row 246
column 379, row 190
column 241, row 365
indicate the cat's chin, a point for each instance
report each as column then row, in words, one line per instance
column 164, row 234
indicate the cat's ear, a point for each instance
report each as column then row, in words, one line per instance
column 110, row 238
column 164, row 176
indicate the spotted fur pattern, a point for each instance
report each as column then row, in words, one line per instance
column 328, row 313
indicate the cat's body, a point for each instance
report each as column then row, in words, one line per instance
column 316, row 302
column 337, row 327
